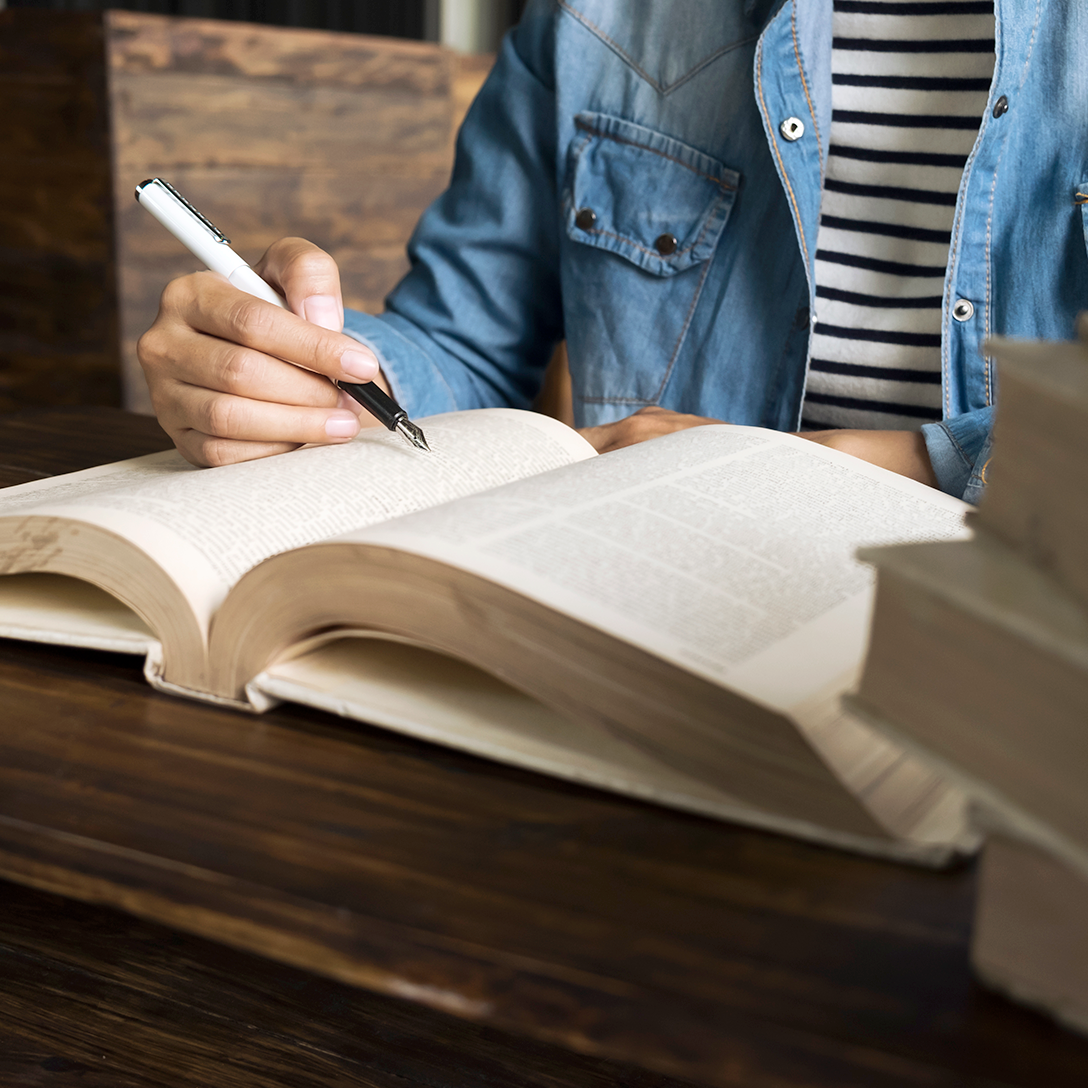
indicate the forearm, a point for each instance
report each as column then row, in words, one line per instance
column 900, row 451
column 474, row 322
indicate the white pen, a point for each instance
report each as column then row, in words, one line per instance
column 204, row 240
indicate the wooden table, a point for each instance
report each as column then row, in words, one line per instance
column 399, row 914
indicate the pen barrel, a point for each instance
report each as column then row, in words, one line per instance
column 245, row 279
column 209, row 243
column 377, row 402
column 190, row 231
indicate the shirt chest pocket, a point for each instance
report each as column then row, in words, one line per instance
column 647, row 197
column 643, row 214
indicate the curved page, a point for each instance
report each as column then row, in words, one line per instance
column 64, row 611
column 207, row 527
column 730, row 552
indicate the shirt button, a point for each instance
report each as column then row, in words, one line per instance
column 963, row 310
column 585, row 219
column 1001, row 106
column 793, row 128
column 665, row 244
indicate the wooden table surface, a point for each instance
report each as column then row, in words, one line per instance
column 400, row 914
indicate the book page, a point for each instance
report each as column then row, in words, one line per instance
column 64, row 611
column 398, row 685
column 726, row 550
column 207, row 527
column 437, row 698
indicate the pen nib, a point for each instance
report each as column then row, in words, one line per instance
column 413, row 434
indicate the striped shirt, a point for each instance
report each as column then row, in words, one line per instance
column 910, row 81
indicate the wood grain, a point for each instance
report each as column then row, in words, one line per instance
column 146, row 45
column 44, row 442
column 96, row 998
column 562, row 915
column 340, row 138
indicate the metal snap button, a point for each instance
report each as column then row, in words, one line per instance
column 963, row 310
column 585, row 219
column 793, row 128
column 1001, row 106
column 665, row 244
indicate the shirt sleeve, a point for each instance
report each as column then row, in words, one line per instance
column 476, row 319
column 959, row 450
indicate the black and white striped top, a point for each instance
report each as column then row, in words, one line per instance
column 910, row 82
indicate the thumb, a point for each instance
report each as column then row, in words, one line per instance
column 308, row 278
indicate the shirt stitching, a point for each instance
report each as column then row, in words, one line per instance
column 987, row 367
column 1031, row 45
column 672, row 358
column 954, row 245
column 617, row 400
column 683, row 333
column 804, row 86
column 661, row 88
column 778, row 155
column 652, row 252
column 654, row 151
column 630, row 242
column 614, row 44
column 959, row 449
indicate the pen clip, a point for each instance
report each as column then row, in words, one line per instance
column 216, row 232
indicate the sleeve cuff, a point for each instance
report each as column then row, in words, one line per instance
column 415, row 379
column 958, row 451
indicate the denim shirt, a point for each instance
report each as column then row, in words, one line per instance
column 622, row 181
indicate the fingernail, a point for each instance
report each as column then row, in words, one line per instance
column 363, row 368
column 322, row 310
column 341, row 426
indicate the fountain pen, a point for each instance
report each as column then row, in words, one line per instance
column 204, row 240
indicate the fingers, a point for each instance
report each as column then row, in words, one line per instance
column 646, row 423
column 207, row 303
column 242, row 419
column 256, row 421
column 207, row 451
column 213, row 428
column 308, row 279
column 183, row 355
column 233, row 377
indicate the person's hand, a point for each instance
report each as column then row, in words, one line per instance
column 645, row 423
column 233, row 377
column 901, row 451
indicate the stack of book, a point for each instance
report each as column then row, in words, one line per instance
column 979, row 660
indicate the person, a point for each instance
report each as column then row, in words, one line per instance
column 807, row 214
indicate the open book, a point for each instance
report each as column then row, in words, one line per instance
column 676, row 620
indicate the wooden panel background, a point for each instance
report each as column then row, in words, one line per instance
column 339, row 138
column 58, row 312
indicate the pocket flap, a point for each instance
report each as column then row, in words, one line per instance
column 652, row 199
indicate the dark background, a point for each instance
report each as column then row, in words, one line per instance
column 400, row 18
